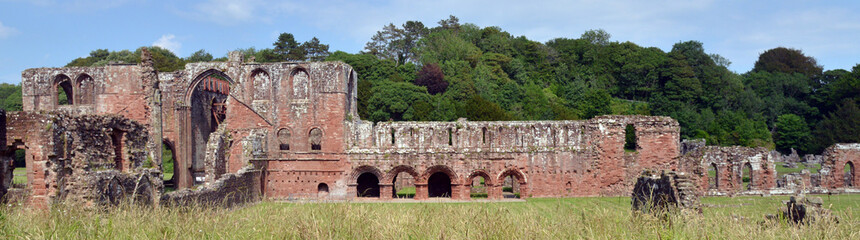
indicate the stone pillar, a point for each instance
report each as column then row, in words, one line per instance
column 386, row 191
column 459, row 192
column 182, row 163
column 494, row 192
column 149, row 78
column 421, row 191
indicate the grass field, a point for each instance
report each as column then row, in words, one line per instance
column 557, row 218
column 19, row 176
column 780, row 170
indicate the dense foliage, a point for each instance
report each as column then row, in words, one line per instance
column 454, row 70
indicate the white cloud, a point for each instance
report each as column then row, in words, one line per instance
column 169, row 42
column 6, row 32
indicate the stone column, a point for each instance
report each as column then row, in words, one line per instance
column 149, row 78
column 421, row 191
column 386, row 191
column 459, row 192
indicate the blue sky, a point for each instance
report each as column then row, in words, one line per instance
column 50, row 33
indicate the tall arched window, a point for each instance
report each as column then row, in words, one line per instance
column 284, row 139
column 315, row 138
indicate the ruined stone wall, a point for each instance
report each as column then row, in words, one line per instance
column 234, row 188
column 92, row 159
column 836, row 159
column 548, row 158
column 730, row 163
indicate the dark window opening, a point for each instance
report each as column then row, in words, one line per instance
column 450, row 137
column 316, row 139
column 322, row 189
column 368, row 185
column 484, row 135
column 284, row 139
column 849, row 174
column 117, row 141
column 568, row 186
column 392, row 136
column 630, row 138
column 439, row 185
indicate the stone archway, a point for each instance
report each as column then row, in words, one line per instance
column 517, row 184
column 203, row 109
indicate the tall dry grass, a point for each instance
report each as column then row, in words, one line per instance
column 569, row 218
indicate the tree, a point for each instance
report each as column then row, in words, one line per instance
column 791, row 133
column 596, row 37
column 840, row 126
column 787, row 60
column 452, row 23
column 431, row 76
column 395, row 101
column 395, row 43
column 199, row 56
column 287, row 49
column 315, row 50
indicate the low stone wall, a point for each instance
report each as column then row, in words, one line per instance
column 231, row 189
column 665, row 191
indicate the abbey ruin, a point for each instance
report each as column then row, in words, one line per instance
column 242, row 131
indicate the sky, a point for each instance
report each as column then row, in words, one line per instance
column 51, row 33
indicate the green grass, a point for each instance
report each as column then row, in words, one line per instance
column 780, row 170
column 553, row 218
column 407, row 192
column 19, row 176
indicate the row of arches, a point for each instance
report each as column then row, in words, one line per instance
column 315, row 137
column 259, row 80
column 746, row 178
column 65, row 91
column 436, row 182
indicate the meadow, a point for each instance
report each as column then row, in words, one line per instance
column 538, row 218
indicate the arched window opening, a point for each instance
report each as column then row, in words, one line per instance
column 630, row 138
column 85, row 93
column 713, row 177
column 368, row 185
column 849, row 174
column 206, row 99
column 450, row 137
column 439, row 185
column 484, row 135
column 322, row 190
column 479, row 187
column 404, row 185
column 65, row 96
column 510, row 187
column 167, row 164
column 747, row 177
column 316, row 139
column 284, row 139
column 392, row 136
column 118, row 140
